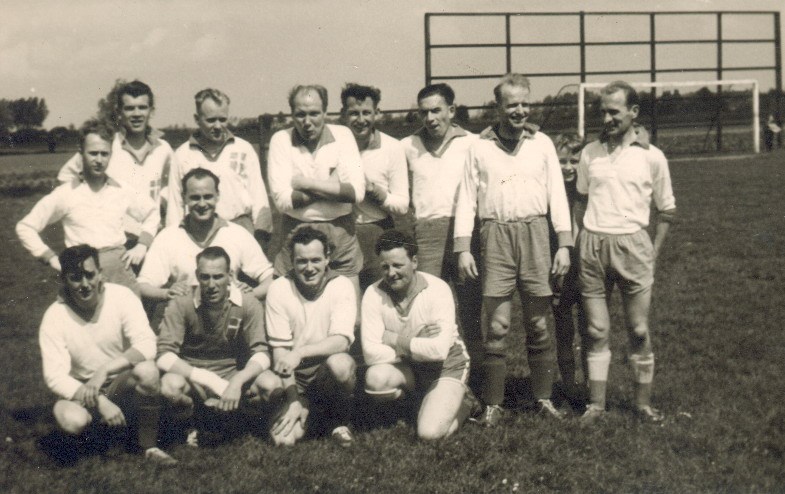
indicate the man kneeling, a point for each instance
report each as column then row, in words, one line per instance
column 205, row 337
column 410, row 340
column 97, row 346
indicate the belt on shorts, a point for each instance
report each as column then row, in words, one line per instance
column 527, row 219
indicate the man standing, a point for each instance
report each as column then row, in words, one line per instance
column 436, row 155
column 311, row 314
column 170, row 266
column 315, row 175
column 621, row 173
column 91, row 209
column 513, row 174
column 96, row 347
column 386, row 176
column 212, row 344
column 141, row 159
column 234, row 160
column 411, row 342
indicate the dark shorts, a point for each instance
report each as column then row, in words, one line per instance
column 347, row 258
column 626, row 260
column 367, row 235
column 113, row 268
column 454, row 368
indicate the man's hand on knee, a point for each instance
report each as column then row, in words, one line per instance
column 110, row 413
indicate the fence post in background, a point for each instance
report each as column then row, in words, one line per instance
column 778, row 65
column 653, row 76
column 508, row 43
column 719, row 78
column 427, row 49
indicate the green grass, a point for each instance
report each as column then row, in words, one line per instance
column 717, row 326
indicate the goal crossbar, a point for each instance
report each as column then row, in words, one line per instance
column 739, row 82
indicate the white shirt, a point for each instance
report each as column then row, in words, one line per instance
column 173, row 255
column 432, row 305
column 621, row 186
column 241, row 190
column 435, row 177
column 92, row 218
column 72, row 349
column 336, row 156
column 512, row 185
column 384, row 164
column 144, row 178
column 294, row 321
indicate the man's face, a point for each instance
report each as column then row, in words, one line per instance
column 212, row 119
column 436, row 115
column 360, row 117
column 398, row 269
column 213, row 278
column 135, row 113
column 308, row 116
column 201, row 197
column 616, row 116
column 83, row 285
column 569, row 162
column 514, row 108
column 310, row 263
column 95, row 156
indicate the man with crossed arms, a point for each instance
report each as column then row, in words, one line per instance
column 513, row 174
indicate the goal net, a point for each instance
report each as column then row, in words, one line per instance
column 695, row 117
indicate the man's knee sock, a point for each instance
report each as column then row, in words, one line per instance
column 598, row 364
column 148, row 411
column 541, row 367
column 494, row 370
column 643, row 371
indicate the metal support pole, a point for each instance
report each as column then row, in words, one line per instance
column 778, row 65
column 508, row 42
column 719, row 78
column 427, row 49
column 653, row 76
column 582, row 19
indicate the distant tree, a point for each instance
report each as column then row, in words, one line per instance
column 462, row 114
column 29, row 113
column 411, row 117
column 6, row 117
column 108, row 112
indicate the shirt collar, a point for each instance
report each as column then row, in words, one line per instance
column 235, row 296
column 330, row 275
column 375, row 141
column 637, row 135
column 420, row 284
column 453, row 132
column 492, row 133
column 196, row 141
column 324, row 139
column 217, row 225
column 152, row 136
column 109, row 181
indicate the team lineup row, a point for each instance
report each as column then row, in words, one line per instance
column 492, row 215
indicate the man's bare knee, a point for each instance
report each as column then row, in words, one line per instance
column 342, row 367
column 432, row 431
column 172, row 386
column 147, row 378
column 71, row 417
column 266, row 383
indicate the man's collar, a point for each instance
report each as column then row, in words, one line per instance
column 329, row 276
column 420, row 284
column 453, row 132
column 109, row 180
column 63, row 299
column 375, row 141
column 637, row 135
column 218, row 223
column 153, row 139
column 235, row 295
column 492, row 133
column 324, row 139
column 151, row 135
column 196, row 140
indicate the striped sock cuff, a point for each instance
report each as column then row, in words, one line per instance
column 599, row 363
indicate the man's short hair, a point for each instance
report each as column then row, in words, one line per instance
column 199, row 173
column 393, row 239
column 218, row 96
column 441, row 89
column 306, row 235
column 570, row 141
column 134, row 89
column 97, row 127
column 511, row 79
column 212, row 253
column 360, row 93
column 631, row 97
column 304, row 88
column 72, row 258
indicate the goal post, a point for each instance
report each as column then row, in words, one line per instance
column 690, row 88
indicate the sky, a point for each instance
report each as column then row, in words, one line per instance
column 70, row 53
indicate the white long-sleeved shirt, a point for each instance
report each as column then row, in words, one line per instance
column 435, row 177
column 621, row 185
column 294, row 321
column 336, row 157
column 433, row 304
column 241, row 190
column 72, row 349
column 88, row 217
column 511, row 185
column 172, row 256
column 384, row 164
column 144, row 178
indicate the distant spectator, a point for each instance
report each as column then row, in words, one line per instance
column 772, row 131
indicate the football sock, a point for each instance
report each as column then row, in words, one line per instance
column 598, row 364
column 494, row 371
column 541, row 375
column 643, row 370
column 148, row 409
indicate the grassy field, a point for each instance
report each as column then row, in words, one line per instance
column 717, row 325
